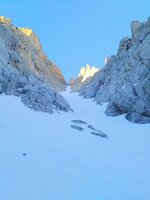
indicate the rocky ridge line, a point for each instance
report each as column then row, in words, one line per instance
column 124, row 82
column 26, row 72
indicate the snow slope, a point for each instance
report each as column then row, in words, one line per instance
column 62, row 163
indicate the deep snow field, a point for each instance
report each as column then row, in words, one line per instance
column 62, row 163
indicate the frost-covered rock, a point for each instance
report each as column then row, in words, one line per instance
column 124, row 82
column 26, row 72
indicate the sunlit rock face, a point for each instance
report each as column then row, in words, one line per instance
column 25, row 70
column 84, row 76
column 87, row 72
column 25, row 53
column 5, row 20
column 124, row 82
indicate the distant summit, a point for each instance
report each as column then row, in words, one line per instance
column 87, row 71
column 84, row 76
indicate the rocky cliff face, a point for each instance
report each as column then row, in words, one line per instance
column 85, row 75
column 124, row 82
column 24, row 52
column 25, row 70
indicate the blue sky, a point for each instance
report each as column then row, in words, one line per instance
column 76, row 32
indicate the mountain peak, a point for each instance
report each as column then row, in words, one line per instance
column 124, row 81
column 25, row 70
column 84, row 76
column 26, row 31
column 5, row 20
column 87, row 71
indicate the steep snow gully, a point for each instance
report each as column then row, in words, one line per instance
column 79, row 155
column 43, row 157
column 123, row 82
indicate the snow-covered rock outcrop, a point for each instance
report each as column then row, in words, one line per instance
column 124, row 82
column 25, row 70
column 84, row 77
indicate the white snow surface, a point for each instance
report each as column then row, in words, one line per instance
column 62, row 163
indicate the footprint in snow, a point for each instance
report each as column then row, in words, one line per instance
column 95, row 131
column 102, row 135
column 79, row 128
column 78, row 122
